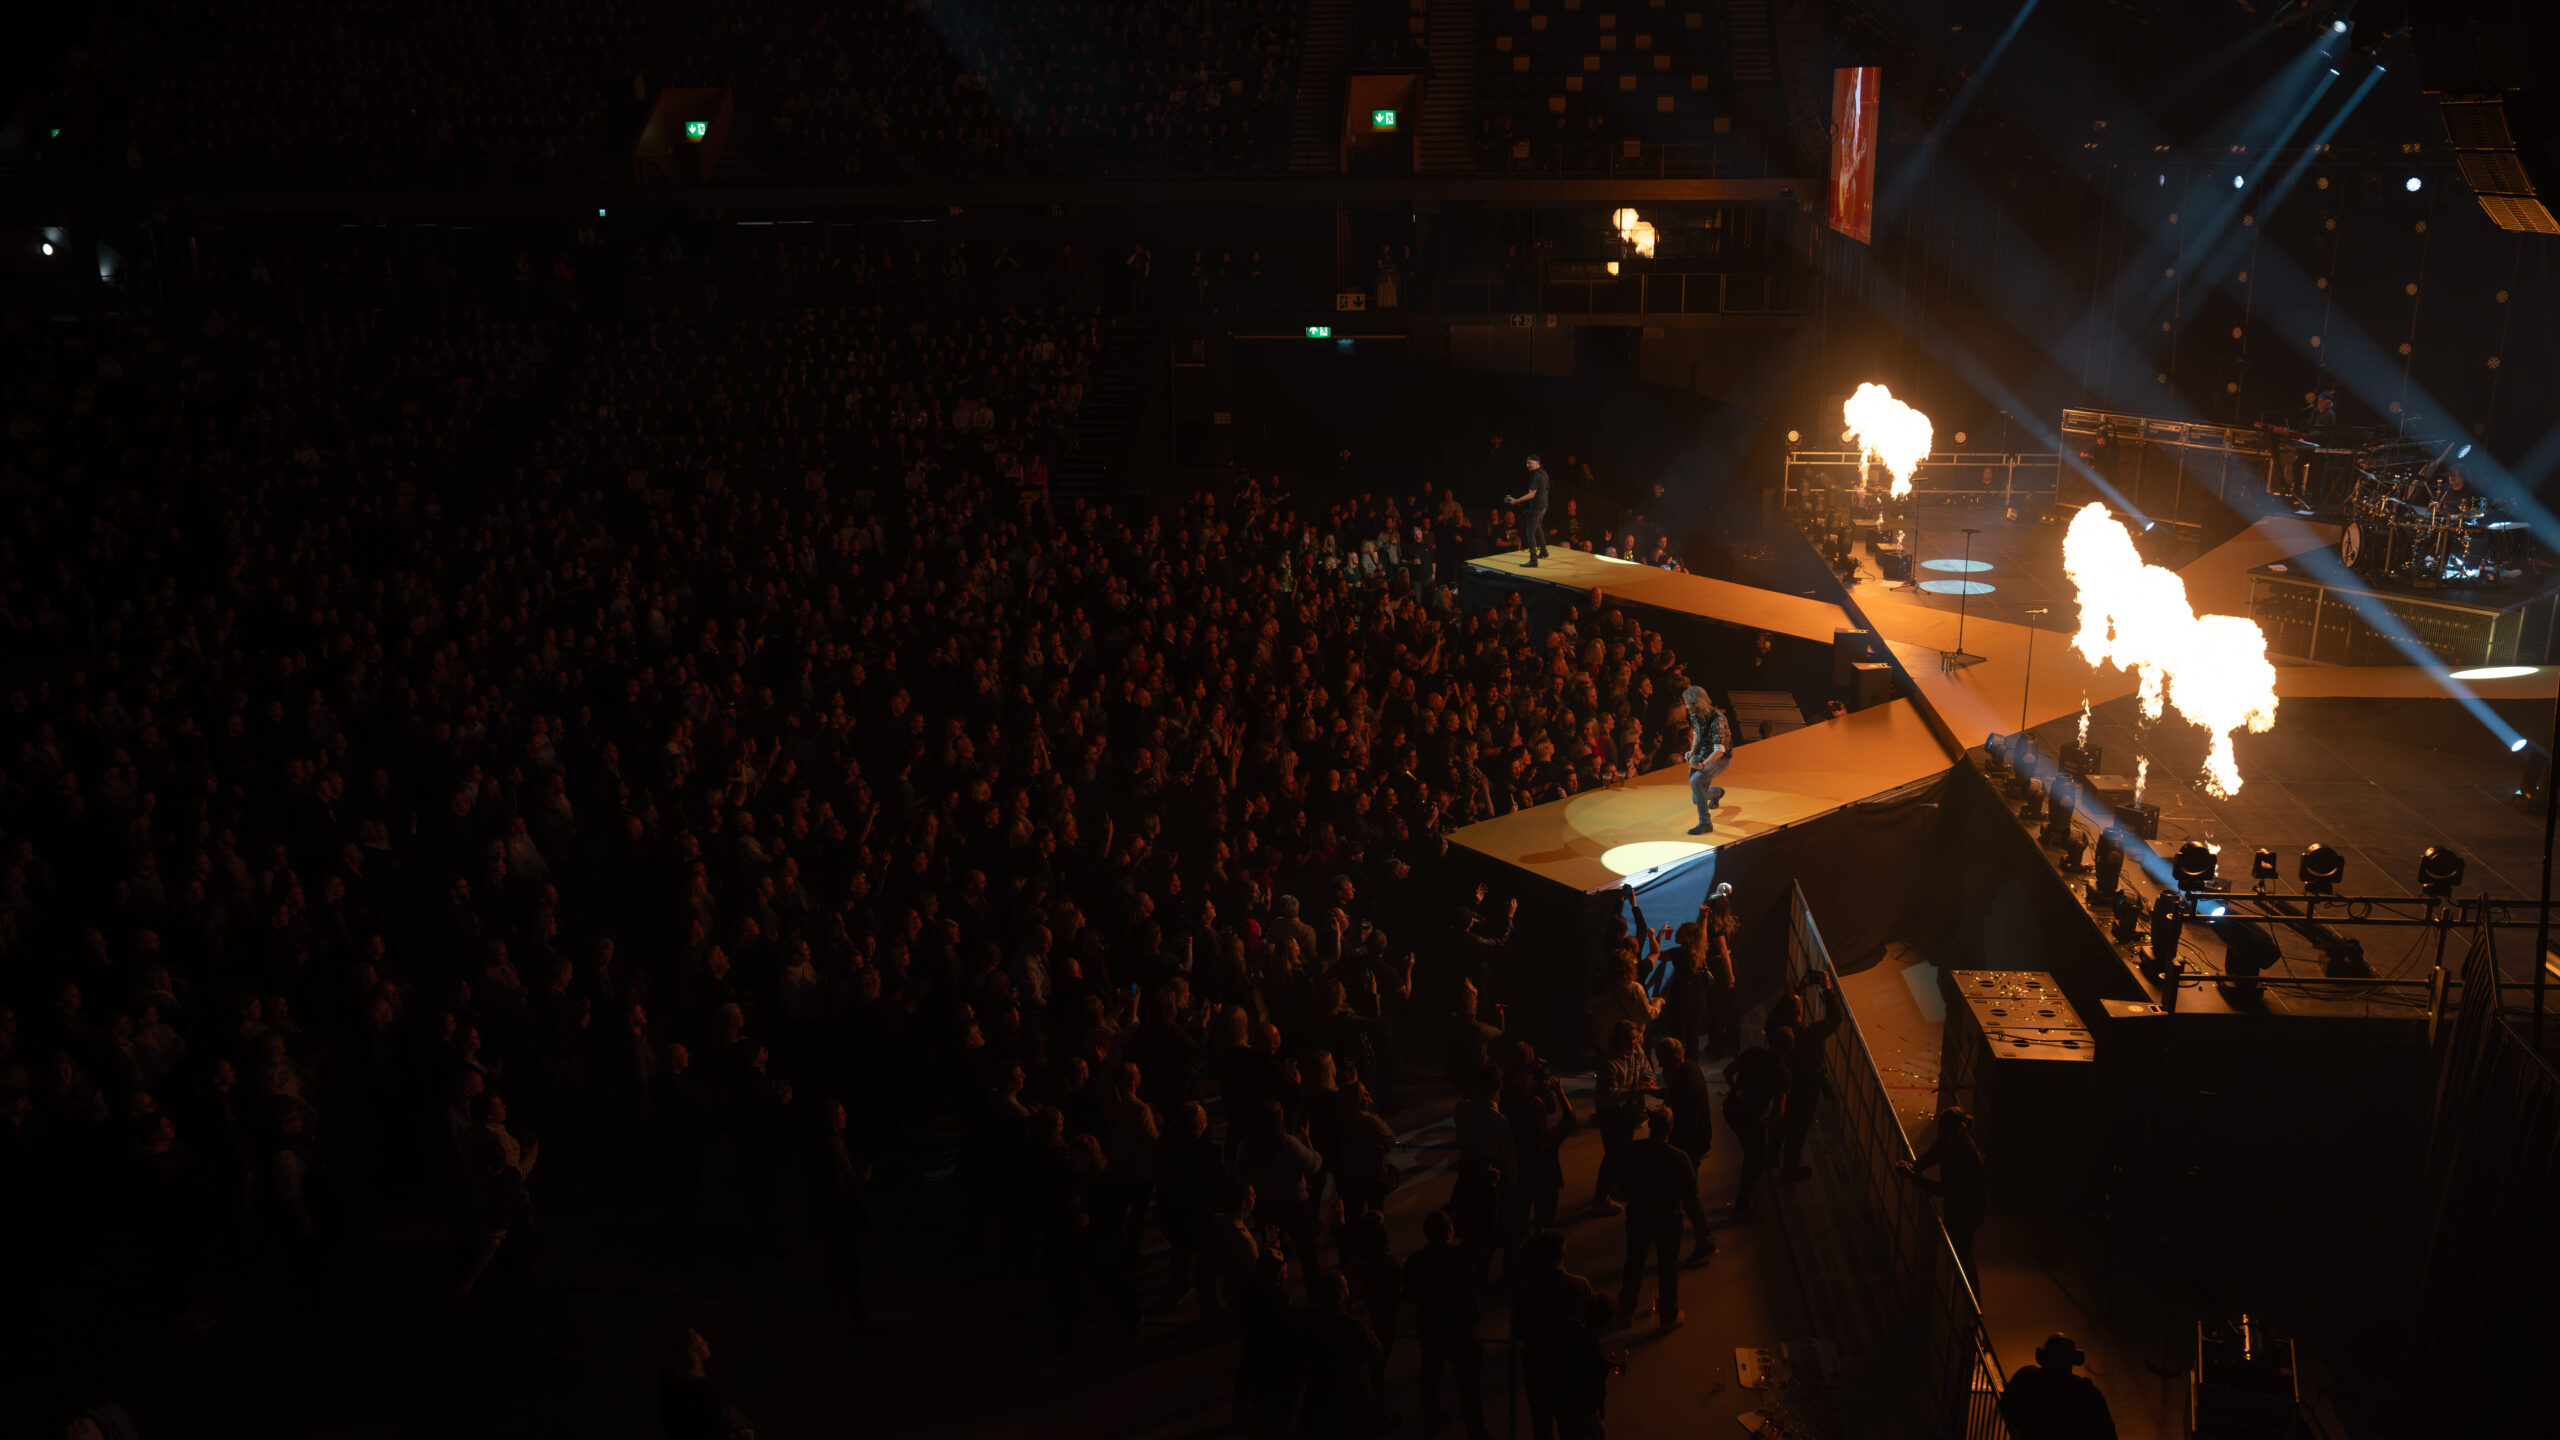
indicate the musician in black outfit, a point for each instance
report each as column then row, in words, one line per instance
column 1533, row 513
column 1710, row 750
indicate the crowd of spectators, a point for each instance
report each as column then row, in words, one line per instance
column 456, row 739
column 278, row 91
column 841, row 391
column 1080, row 85
column 267, row 92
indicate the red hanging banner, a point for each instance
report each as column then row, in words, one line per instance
column 1853, row 150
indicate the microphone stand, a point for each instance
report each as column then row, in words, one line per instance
column 1960, row 657
column 2028, row 684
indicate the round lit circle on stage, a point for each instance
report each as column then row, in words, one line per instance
column 1646, row 855
column 1957, row 587
column 1958, row 567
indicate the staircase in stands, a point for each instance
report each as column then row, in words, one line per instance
column 742, row 155
column 1445, row 138
column 1315, row 134
column 1100, row 457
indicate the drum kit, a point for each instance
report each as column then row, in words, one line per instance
column 2423, row 527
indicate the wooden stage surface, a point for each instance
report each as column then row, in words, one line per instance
column 1596, row 840
column 1634, row 584
column 1584, row 841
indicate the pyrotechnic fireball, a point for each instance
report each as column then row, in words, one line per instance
column 1892, row 434
column 2212, row 669
column 1635, row 230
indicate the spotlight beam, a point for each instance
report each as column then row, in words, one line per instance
column 2262, row 134
column 1907, row 176
column 2538, row 463
column 2328, row 132
column 2317, row 558
column 2022, row 284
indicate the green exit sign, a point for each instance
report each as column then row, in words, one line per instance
column 1319, row 332
column 696, row 129
column 1382, row 119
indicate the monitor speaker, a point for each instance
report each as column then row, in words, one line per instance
column 1849, row 650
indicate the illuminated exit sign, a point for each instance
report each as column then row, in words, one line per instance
column 1382, row 119
column 696, row 129
column 1319, row 332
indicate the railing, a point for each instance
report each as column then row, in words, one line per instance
column 2157, row 464
column 749, row 290
column 1961, row 1372
column 1529, row 297
column 1626, row 160
column 1946, row 472
column 2493, row 1162
column 1521, row 159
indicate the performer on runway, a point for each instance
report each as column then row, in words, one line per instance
column 1533, row 513
column 1710, row 750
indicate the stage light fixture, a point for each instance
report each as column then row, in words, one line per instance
column 2320, row 869
column 2195, row 865
column 2439, row 871
column 2168, row 923
column 2338, row 27
column 2262, row 866
column 2109, row 863
column 2516, row 746
column 2238, row 181
column 2465, row 452
column 2414, row 184
column 1793, row 437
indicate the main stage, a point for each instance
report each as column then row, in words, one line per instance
column 2319, row 778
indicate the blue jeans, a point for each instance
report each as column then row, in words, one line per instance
column 1703, row 787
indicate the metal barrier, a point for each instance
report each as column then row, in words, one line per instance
column 1963, row 1374
column 2019, row 473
